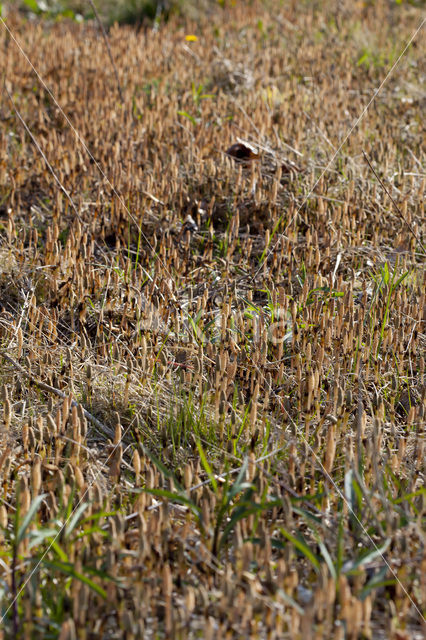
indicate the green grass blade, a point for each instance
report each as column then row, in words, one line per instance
column 29, row 516
column 206, row 466
column 68, row 569
column 72, row 522
column 353, row 565
column 302, row 547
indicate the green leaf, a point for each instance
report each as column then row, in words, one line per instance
column 173, row 497
column 194, row 326
column 375, row 582
column 240, row 512
column 408, row 496
column 349, row 489
column 326, row 555
column 38, row 536
column 303, row 548
column 89, row 530
column 187, row 115
column 161, row 467
column 239, row 484
column 244, row 507
column 340, row 543
column 312, row 521
column 352, row 565
column 274, row 230
column 29, row 516
column 72, row 522
column 400, row 279
column 289, row 600
column 98, row 516
column 309, row 517
column 69, row 507
column 206, row 466
column 68, row 569
column 386, row 273
column 67, row 13
column 33, row 5
column 58, row 549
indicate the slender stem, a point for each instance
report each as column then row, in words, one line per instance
column 41, row 152
column 393, row 201
column 105, row 37
column 14, row 590
column 57, row 392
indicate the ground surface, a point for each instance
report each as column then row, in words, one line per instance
column 212, row 356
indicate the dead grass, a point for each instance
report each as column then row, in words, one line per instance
column 213, row 373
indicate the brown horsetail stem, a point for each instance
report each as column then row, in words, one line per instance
column 212, row 305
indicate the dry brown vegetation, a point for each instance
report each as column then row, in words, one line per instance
column 212, row 363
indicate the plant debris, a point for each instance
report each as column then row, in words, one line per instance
column 212, row 381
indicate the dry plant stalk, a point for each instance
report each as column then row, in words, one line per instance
column 233, row 439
